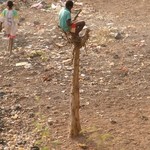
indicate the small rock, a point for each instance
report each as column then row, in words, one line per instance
column 103, row 45
column 144, row 118
column 69, row 68
column 118, row 36
column 115, row 56
column 113, row 121
column 6, row 148
column 15, row 116
column 35, row 148
column 87, row 103
column 67, row 61
column 21, row 142
column 17, row 107
column 25, row 64
column 48, row 107
column 21, row 19
column 50, row 121
column 55, row 112
column 31, row 115
column 2, row 142
column 83, row 146
column 2, row 94
column 112, row 64
column 65, row 114
column 41, row 5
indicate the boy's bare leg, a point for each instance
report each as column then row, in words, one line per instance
column 79, row 26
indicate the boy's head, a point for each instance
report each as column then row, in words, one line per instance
column 69, row 4
column 10, row 4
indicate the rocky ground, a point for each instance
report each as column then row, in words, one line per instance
column 35, row 81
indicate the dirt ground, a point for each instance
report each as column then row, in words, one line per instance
column 35, row 82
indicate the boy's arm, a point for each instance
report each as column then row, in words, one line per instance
column 69, row 22
column 68, row 19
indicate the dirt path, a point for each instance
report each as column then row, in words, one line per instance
column 115, row 74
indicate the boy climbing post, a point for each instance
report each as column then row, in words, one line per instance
column 9, row 20
column 65, row 21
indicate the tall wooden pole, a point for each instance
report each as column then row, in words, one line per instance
column 75, row 99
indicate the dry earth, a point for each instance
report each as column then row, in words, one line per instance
column 35, row 82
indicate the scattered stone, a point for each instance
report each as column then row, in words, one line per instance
column 144, row 118
column 65, row 114
column 2, row 94
column 116, row 56
column 79, row 3
column 53, row 6
column 124, row 71
column 103, row 45
column 39, row 5
column 21, row 142
column 16, row 107
column 17, row 76
column 67, row 61
column 50, row 121
column 48, row 107
column 35, row 54
column 55, row 112
column 15, row 116
column 47, row 77
column 25, row 64
column 112, row 64
column 36, row 23
column 118, row 36
column 83, row 146
column 35, row 148
column 6, row 148
column 2, row 142
column 113, row 121
column 31, row 115
column 87, row 103
column 21, row 19
column 59, row 45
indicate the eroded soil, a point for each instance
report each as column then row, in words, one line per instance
column 114, row 80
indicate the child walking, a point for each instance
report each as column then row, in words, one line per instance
column 9, row 20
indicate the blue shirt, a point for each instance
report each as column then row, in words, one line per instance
column 64, row 15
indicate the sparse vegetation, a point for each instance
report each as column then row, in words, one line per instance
column 35, row 82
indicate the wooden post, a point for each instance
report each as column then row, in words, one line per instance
column 75, row 100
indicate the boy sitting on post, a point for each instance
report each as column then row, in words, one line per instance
column 65, row 22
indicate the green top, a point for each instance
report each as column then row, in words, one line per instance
column 64, row 15
column 4, row 12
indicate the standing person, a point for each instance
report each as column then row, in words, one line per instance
column 65, row 21
column 9, row 19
